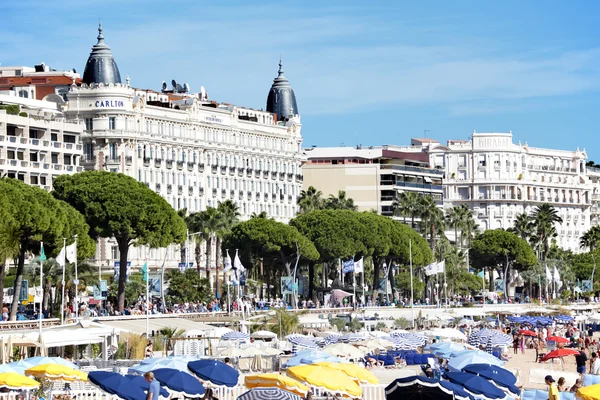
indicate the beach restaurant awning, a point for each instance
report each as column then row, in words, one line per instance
column 138, row 325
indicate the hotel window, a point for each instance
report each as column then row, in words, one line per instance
column 33, row 180
column 89, row 124
column 112, row 123
column 114, row 252
column 139, row 151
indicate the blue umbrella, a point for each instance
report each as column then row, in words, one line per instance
column 50, row 360
column 236, row 336
column 268, row 394
column 116, row 384
column 311, row 360
column 180, row 382
column 178, row 363
column 144, row 384
column 215, row 371
column 475, row 384
column 458, row 363
column 497, row 375
column 422, row 388
column 12, row 368
column 452, row 347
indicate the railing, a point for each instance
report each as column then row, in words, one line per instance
column 419, row 185
column 28, row 325
column 410, row 168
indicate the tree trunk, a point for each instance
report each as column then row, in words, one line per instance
column 2, row 273
column 218, row 256
column 311, row 278
column 208, row 254
column 46, row 294
column 123, row 244
column 375, row 288
column 198, row 257
column 17, row 287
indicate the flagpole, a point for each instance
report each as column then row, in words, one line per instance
column 354, row 284
column 147, row 299
column 41, row 314
column 412, row 302
column 62, row 299
column 76, row 282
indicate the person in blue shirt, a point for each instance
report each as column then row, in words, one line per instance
column 154, row 388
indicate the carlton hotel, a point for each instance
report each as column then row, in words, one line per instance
column 193, row 151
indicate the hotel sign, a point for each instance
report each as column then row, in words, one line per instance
column 492, row 142
column 110, row 103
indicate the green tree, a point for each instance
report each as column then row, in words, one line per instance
column 590, row 239
column 187, row 287
column 285, row 322
column 523, row 226
column 36, row 216
column 9, row 237
column 229, row 216
column 116, row 205
column 407, row 205
column 133, row 290
column 340, row 202
column 310, row 199
column 545, row 217
column 501, row 250
column 403, row 285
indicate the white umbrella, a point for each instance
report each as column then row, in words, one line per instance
column 376, row 344
column 343, row 350
column 447, row 333
column 263, row 335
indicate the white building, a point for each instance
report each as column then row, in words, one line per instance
column 499, row 179
column 39, row 144
column 193, row 151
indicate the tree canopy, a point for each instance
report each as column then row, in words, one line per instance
column 492, row 248
column 187, row 286
column 116, row 205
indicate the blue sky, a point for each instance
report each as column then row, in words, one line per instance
column 376, row 72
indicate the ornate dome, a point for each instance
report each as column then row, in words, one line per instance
column 281, row 99
column 101, row 66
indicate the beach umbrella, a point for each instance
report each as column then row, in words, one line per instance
column 352, row 337
column 422, row 388
column 343, row 350
column 268, row 394
column 458, row 363
column 358, row 373
column 527, row 332
column 274, row 380
column 310, row 357
column 329, row 379
column 476, row 385
column 378, row 343
column 331, row 359
column 263, row 335
column 331, row 339
column 33, row 361
column 215, row 372
column 270, row 351
column 466, row 321
column 557, row 339
column 179, row 381
column 439, row 345
column 500, row 376
column 179, row 362
column 233, row 335
column 145, row 385
column 116, row 384
column 559, row 353
column 446, row 333
column 449, row 348
column 302, row 341
column 489, row 348
column 56, row 372
column 591, row 392
column 15, row 381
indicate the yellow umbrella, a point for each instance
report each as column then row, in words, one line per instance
column 360, row 374
column 589, row 392
column 56, row 372
column 276, row 380
column 330, row 379
column 14, row 381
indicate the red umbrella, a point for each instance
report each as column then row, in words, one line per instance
column 558, row 339
column 560, row 353
column 527, row 332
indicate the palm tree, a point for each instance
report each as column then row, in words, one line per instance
column 285, row 322
column 310, row 199
column 262, row 214
column 427, row 207
column 544, row 217
column 229, row 216
column 341, row 202
column 454, row 219
column 590, row 239
column 195, row 224
column 407, row 204
column 523, row 226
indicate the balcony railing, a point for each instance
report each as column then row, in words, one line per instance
column 411, row 168
column 427, row 186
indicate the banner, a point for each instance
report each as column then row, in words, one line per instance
column 556, row 275
column 183, row 268
column 548, row 274
column 359, row 266
column 348, row 266
column 287, row 284
column 24, row 294
column 155, row 285
column 499, row 285
column 586, row 285
column 243, row 278
column 441, row 267
column 100, row 290
column 118, row 269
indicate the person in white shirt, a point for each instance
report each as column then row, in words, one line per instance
column 595, row 369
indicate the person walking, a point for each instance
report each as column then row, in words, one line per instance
column 580, row 360
column 154, row 387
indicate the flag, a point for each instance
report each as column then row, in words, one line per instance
column 441, row 267
column 480, row 274
column 145, row 271
column 548, row 274
column 556, row 275
column 72, row 252
column 227, row 266
column 42, row 254
column 359, row 266
column 348, row 266
column 60, row 258
column 431, row 269
column 237, row 263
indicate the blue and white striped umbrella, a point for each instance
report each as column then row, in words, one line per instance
column 489, row 347
column 401, row 343
column 302, row 341
column 331, row 339
column 483, row 336
column 351, row 337
column 241, row 336
column 268, row 394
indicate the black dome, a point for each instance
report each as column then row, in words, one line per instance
column 101, row 66
column 281, row 99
